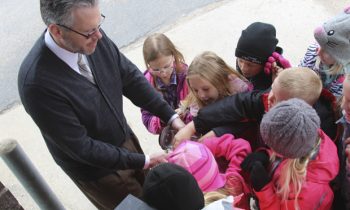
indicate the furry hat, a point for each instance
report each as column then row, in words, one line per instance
column 200, row 162
column 170, row 187
column 334, row 37
column 257, row 42
column 290, row 128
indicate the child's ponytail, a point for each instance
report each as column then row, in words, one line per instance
column 293, row 174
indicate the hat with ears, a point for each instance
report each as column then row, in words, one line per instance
column 290, row 128
column 334, row 37
column 257, row 42
column 170, row 187
column 200, row 162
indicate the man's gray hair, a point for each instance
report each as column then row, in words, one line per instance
column 60, row 11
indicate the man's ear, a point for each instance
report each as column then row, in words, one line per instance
column 55, row 31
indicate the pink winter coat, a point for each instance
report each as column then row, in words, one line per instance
column 153, row 123
column 231, row 149
column 316, row 192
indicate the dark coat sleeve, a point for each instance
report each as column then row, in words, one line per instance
column 232, row 109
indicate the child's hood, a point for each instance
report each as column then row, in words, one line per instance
column 334, row 37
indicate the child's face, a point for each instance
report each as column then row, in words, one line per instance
column 249, row 69
column 162, row 67
column 346, row 99
column 325, row 57
column 203, row 89
column 277, row 94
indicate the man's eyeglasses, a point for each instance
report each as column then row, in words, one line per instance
column 88, row 34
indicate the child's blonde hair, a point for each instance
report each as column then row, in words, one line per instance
column 214, row 69
column 300, row 82
column 335, row 69
column 210, row 197
column 159, row 44
column 293, row 173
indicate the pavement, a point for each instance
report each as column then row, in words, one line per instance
column 216, row 28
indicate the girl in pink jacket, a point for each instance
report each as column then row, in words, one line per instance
column 302, row 160
column 200, row 160
column 166, row 71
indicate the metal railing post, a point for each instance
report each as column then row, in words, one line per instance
column 15, row 158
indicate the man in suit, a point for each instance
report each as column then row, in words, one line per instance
column 72, row 84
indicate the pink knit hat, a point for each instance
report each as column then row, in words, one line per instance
column 200, row 162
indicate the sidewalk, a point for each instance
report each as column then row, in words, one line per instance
column 215, row 28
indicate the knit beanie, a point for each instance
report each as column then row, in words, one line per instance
column 170, row 187
column 290, row 128
column 257, row 42
column 334, row 35
column 200, row 162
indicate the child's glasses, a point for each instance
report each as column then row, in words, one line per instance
column 163, row 70
column 169, row 68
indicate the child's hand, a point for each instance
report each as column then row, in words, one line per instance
column 180, row 112
column 259, row 176
column 236, row 85
column 271, row 66
column 184, row 133
column 254, row 157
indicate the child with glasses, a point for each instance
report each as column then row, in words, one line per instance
column 166, row 71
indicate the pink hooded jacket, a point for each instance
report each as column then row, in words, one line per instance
column 316, row 192
column 234, row 151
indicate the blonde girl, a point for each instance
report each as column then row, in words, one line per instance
column 303, row 160
column 166, row 72
column 210, row 79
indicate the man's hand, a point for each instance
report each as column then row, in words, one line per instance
column 184, row 134
column 157, row 158
column 177, row 124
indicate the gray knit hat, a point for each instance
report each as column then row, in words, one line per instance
column 291, row 128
